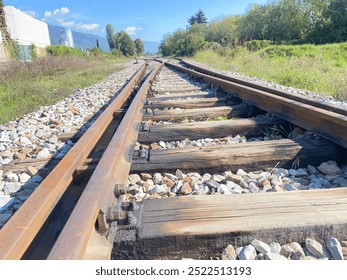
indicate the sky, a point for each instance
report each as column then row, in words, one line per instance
column 148, row 20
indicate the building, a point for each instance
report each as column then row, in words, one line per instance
column 66, row 38
column 25, row 31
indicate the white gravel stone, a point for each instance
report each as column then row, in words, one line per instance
column 11, row 187
column 54, row 139
column 280, row 172
column 6, row 200
column 260, row 246
column 241, row 172
column 238, row 250
column 217, row 178
column 171, row 176
column 206, row 177
column 274, row 257
column 134, row 178
column 24, row 177
column 44, row 153
column 329, row 169
column 247, row 253
column 194, row 175
column 275, row 247
column 12, row 177
column 157, row 178
column 312, row 170
column 159, row 189
column 6, row 161
column 293, row 251
column 229, row 253
column 222, row 189
column 180, row 175
column 253, row 187
column 334, row 248
column 212, row 184
column 162, row 144
column 314, row 247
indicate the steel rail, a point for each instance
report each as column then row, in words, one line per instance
column 21, row 229
column 329, row 125
column 112, row 169
column 305, row 100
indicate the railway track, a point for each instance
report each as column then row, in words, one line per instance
column 213, row 162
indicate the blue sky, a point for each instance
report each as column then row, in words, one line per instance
column 148, row 20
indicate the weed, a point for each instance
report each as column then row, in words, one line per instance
column 321, row 69
column 271, row 132
column 212, row 118
column 275, row 132
column 25, row 86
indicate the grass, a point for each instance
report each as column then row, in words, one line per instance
column 321, row 69
column 25, row 86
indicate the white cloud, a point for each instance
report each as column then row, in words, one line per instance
column 132, row 30
column 64, row 10
column 86, row 27
column 58, row 16
column 48, row 14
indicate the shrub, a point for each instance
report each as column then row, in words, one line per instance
column 64, row 51
column 256, row 45
column 213, row 46
column 34, row 54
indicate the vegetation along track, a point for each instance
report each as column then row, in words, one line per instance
column 215, row 164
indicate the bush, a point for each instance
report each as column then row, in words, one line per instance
column 34, row 54
column 213, row 46
column 64, row 51
column 256, row 45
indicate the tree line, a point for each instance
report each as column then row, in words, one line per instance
column 278, row 22
column 121, row 44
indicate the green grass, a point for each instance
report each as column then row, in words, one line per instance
column 321, row 69
column 25, row 86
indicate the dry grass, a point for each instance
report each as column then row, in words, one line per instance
column 25, row 86
column 321, row 69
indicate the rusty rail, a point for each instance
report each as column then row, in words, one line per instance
column 21, row 229
column 112, row 170
column 328, row 124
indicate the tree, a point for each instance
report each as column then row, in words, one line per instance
column 337, row 15
column 224, row 32
column 125, row 44
column 110, row 36
column 140, row 47
column 199, row 17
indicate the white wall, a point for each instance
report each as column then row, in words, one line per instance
column 25, row 29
